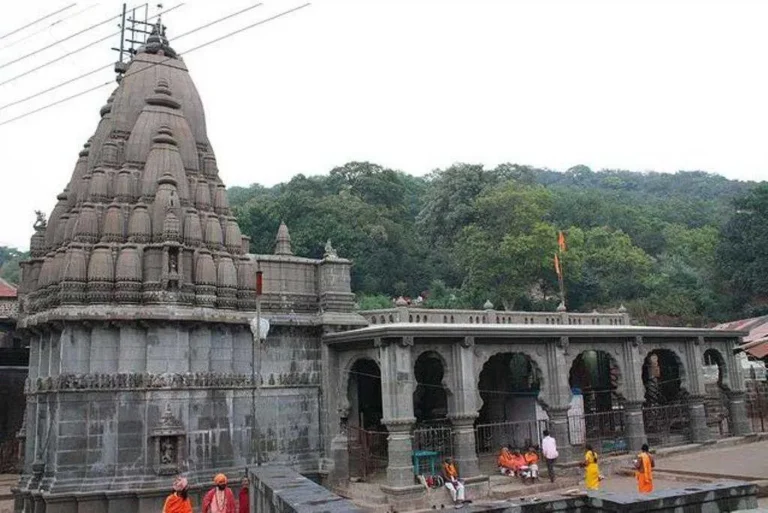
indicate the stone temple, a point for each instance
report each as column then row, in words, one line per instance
column 137, row 305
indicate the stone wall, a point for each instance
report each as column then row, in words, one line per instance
column 276, row 489
column 93, row 408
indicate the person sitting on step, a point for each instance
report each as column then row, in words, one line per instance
column 532, row 462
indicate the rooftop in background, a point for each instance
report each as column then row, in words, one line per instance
column 756, row 342
column 7, row 290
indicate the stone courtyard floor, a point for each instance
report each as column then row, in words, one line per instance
column 726, row 460
column 746, row 461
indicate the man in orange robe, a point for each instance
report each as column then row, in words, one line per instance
column 506, row 462
column 644, row 470
column 178, row 501
column 532, row 461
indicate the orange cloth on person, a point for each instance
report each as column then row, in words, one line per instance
column 644, row 474
column 450, row 471
column 175, row 504
column 531, row 458
column 506, row 460
column 518, row 461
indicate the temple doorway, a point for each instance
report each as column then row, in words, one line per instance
column 432, row 430
column 662, row 377
column 509, row 386
column 367, row 436
column 716, row 388
column 595, row 375
column 430, row 400
column 665, row 414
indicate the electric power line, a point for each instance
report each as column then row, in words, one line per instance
column 83, row 31
column 100, row 68
column 48, row 27
column 73, row 52
column 37, row 21
column 198, row 47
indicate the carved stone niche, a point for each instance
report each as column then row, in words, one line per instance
column 167, row 443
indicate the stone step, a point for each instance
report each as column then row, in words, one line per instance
column 514, row 490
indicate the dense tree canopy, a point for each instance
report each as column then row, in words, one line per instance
column 668, row 246
column 684, row 248
column 9, row 264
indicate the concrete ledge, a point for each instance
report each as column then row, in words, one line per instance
column 276, row 489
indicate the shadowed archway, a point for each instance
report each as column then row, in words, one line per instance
column 509, row 387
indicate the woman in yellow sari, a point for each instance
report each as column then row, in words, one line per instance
column 592, row 471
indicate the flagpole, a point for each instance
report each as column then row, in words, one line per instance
column 559, row 265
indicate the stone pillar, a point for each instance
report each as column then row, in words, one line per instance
column 557, row 395
column 464, row 407
column 464, row 450
column 634, row 392
column 558, row 429
column 634, row 428
column 340, row 457
column 694, row 361
column 397, row 403
column 737, row 406
column 698, row 415
column 399, row 448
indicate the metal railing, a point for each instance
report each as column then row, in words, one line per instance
column 490, row 437
column 438, row 438
column 367, row 451
column 667, row 425
column 604, row 431
column 757, row 405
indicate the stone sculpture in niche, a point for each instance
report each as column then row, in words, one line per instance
column 168, row 442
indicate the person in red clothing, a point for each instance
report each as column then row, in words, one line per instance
column 245, row 506
column 219, row 499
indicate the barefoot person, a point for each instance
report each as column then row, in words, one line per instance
column 178, row 501
column 591, row 470
column 244, row 504
column 452, row 482
column 644, row 470
column 532, row 461
column 505, row 462
column 220, row 498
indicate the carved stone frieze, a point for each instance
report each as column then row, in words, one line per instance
column 145, row 381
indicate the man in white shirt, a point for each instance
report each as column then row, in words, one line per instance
column 549, row 451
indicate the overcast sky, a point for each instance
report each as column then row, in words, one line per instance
column 412, row 85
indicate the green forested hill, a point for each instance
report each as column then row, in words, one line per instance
column 461, row 235
column 683, row 248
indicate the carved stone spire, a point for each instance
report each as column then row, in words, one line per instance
column 283, row 241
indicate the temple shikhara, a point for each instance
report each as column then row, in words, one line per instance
column 137, row 306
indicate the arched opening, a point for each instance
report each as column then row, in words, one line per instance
column 665, row 414
column 366, row 434
column 509, row 386
column 364, row 394
column 430, row 400
column 662, row 376
column 716, row 400
column 595, row 376
column 432, row 430
column 595, row 415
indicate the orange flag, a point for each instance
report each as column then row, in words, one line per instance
column 561, row 240
column 558, row 270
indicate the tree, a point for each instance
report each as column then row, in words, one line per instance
column 742, row 255
column 506, row 250
column 9, row 264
